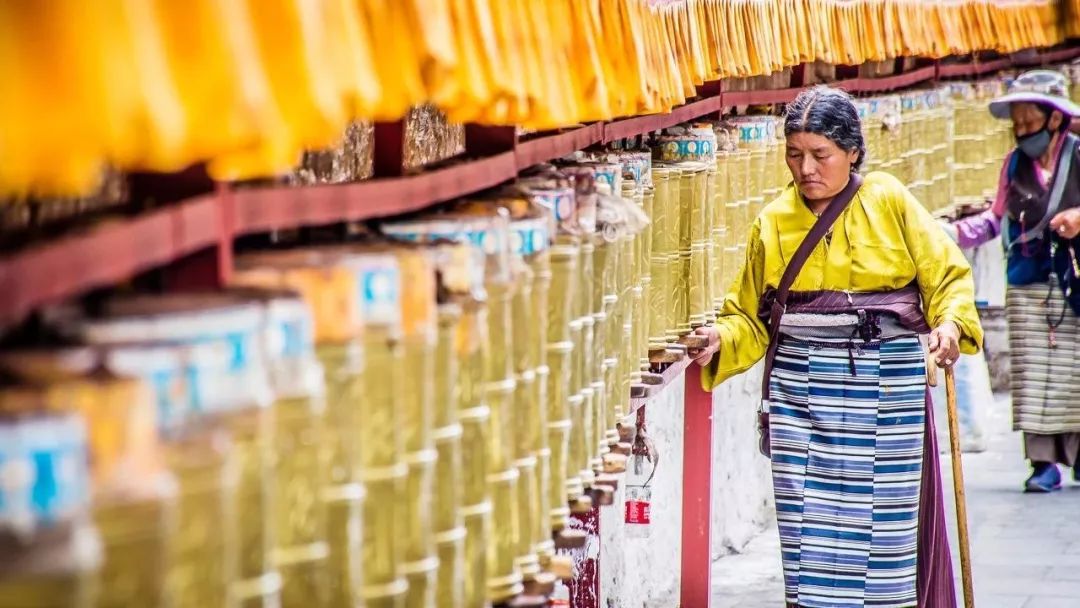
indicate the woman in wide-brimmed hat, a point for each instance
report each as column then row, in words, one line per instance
column 1036, row 223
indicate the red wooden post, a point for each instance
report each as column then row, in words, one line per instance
column 482, row 140
column 697, row 494
column 389, row 155
column 209, row 268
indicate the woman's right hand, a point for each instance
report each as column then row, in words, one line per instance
column 702, row 356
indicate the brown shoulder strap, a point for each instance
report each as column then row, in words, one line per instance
column 817, row 232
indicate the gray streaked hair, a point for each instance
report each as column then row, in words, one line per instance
column 829, row 112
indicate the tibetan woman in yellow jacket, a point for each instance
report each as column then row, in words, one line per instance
column 850, row 429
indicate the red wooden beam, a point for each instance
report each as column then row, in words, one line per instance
column 639, row 125
column 549, row 146
column 696, row 579
column 624, row 128
column 104, row 255
column 733, row 99
column 899, row 81
column 266, row 209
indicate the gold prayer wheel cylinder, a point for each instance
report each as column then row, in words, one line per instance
column 526, row 429
column 659, row 271
column 383, row 470
column 49, row 564
column 309, row 429
column 220, row 453
column 559, row 356
column 380, row 427
column 134, row 496
column 678, row 317
column 257, row 582
column 201, row 552
column 742, row 193
column 721, row 195
column 627, row 280
column 604, row 292
column 481, row 407
column 578, row 451
column 540, row 263
column 343, row 492
column 457, row 351
column 531, row 241
column 699, row 302
column 319, row 550
column 481, row 223
column 420, row 332
column 545, row 546
column 637, row 357
column 645, row 263
column 448, row 522
column 366, row 411
column 586, row 358
column 504, row 574
column 287, row 347
column 475, row 416
column 707, row 241
column 686, row 283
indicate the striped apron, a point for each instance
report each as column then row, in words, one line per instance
column 860, row 524
column 1045, row 380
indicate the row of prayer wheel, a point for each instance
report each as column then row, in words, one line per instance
column 910, row 135
column 981, row 141
column 410, row 417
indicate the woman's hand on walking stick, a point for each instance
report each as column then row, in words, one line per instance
column 945, row 344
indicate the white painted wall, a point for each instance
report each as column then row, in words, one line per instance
column 742, row 499
column 644, row 572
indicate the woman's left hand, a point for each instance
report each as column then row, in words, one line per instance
column 945, row 344
column 1066, row 224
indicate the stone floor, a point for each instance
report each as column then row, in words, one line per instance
column 1025, row 548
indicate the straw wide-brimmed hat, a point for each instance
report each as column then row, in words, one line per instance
column 1037, row 86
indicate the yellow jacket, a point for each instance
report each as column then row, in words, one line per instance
column 884, row 240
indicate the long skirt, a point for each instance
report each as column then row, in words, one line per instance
column 860, row 523
column 1044, row 379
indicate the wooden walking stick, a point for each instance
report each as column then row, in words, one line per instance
column 958, row 488
column 958, row 476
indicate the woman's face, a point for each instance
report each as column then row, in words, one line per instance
column 1027, row 118
column 820, row 168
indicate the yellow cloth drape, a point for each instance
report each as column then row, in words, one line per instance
column 250, row 84
column 884, row 240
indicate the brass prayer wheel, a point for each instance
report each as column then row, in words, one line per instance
column 376, row 423
column 490, row 394
column 319, row 541
column 458, row 265
column 721, row 271
column 660, row 296
column 221, row 454
column 420, row 331
column 51, row 550
column 134, row 496
column 559, row 357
